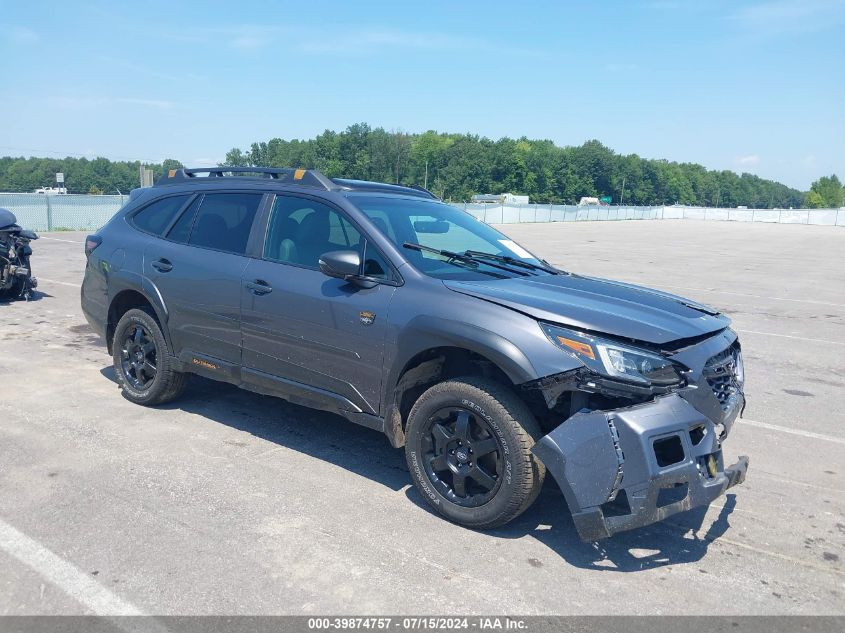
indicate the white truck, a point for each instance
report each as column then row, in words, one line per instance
column 500, row 198
column 51, row 190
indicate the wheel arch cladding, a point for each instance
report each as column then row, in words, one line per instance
column 428, row 345
column 126, row 299
column 426, row 332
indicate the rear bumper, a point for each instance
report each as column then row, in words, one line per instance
column 94, row 312
column 630, row 467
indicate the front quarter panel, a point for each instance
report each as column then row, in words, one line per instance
column 426, row 315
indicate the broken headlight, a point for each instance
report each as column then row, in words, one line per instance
column 614, row 360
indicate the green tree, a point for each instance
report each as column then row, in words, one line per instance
column 830, row 190
column 814, row 200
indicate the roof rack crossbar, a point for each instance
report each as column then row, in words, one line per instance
column 304, row 177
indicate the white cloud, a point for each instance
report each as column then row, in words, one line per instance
column 92, row 103
column 249, row 42
column 139, row 69
column 20, row 34
column 777, row 17
column 373, row 40
column 157, row 104
column 348, row 40
column 752, row 160
column 620, row 68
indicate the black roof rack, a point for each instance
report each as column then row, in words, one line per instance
column 289, row 175
column 304, row 177
column 382, row 187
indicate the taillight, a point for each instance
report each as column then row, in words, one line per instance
column 92, row 242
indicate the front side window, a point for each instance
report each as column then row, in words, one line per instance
column 224, row 221
column 301, row 230
column 435, row 225
column 375, row 265
column 156, row 217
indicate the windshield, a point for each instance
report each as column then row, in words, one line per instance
column 436, row 226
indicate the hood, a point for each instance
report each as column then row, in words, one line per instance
column 599, row 305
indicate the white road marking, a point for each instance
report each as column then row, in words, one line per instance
column 73, row 581
column 786, row 429
column 798, row 338
column 58, row 239
column 745, row 294
column 62, row 283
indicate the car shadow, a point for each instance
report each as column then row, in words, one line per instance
column 318, row 434
column 681, row 539
column 674, row 541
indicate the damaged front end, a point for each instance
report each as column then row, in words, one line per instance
column 629, row 454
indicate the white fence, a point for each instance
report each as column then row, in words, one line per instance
column 83, row 212
column 41, row 212
column 512, row 214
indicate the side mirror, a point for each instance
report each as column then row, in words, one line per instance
column 344, row 265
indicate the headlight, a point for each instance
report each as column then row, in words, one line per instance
column 615, row 360
column 739, row 372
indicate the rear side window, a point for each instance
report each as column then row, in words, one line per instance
column 224, row 221
column 155, row 218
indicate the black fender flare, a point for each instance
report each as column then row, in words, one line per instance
column 427, row 332
column 122, row 280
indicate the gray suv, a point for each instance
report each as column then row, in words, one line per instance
column 406, row 315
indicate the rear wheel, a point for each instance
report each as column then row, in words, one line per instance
column 468, row 446
column 142, row 360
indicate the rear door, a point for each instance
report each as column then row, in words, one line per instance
column 304, row 327
column 197, row 270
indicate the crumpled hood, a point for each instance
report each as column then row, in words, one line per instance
column 599, row 305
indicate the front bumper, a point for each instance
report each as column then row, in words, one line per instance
column 630, row 467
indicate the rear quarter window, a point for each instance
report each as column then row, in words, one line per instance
column 157, row 216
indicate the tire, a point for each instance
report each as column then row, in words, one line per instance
column 450, row 438
column 17, row 287
column 143, row 362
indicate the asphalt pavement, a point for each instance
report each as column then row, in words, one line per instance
column 227, row 502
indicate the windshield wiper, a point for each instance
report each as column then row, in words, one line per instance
column 453, row 257
column 510, row 260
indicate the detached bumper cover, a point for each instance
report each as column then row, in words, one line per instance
column 629, row 467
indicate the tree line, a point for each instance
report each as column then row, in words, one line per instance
column 457, row 166
column 82, row 175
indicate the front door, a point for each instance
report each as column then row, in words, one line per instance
column 302, row 326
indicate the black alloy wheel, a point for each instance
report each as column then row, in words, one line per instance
column 139, row 357
column 462, row 457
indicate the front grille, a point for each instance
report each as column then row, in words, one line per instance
column 721, row 374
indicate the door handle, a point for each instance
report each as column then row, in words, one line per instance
column 162, row 265
column 259, row 287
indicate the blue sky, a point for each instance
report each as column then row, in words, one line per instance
column 749, row 86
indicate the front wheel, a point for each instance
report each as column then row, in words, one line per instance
column 468, row 446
